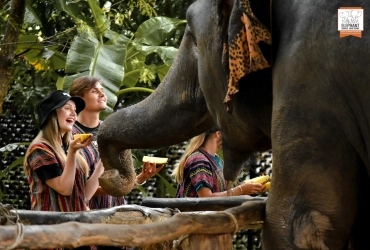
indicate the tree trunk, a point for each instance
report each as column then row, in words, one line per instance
column 8, row 46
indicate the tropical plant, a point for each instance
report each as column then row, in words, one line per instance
column 17, row 163
column 63, row 40
column 95, row 49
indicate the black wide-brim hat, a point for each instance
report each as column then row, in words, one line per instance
column 56, row 100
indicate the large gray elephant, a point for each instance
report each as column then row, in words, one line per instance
column 316, row 115
column 186, row 104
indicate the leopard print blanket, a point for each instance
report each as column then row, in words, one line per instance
column 245, row 56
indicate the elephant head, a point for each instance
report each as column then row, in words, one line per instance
column 193, row 94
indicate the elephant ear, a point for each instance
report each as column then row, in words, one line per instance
column 245, row 31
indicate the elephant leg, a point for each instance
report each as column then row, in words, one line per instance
column 314, row 195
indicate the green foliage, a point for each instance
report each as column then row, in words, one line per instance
column 124, row 49
column 130, row 45
column 18, row 162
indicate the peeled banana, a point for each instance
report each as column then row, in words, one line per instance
column 157, row 160
column 83, row 137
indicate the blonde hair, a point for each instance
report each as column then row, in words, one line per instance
column 195, row 143
column 50, row 134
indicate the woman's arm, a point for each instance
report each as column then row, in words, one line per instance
column 206, row 192
column 92, row 183
column 64, row 183
column 245, row 188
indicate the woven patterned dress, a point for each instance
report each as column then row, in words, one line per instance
column 43, row 161
column 201, row 170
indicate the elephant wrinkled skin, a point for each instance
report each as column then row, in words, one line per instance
column 316, row 114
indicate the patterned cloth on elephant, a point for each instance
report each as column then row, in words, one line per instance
column 242, row 50
column 201, row 170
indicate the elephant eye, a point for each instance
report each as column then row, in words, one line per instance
column 189, row 32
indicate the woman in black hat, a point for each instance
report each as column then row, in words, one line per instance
column 57, row 173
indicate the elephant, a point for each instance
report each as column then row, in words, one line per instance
column 195, row 107
column 310, row 105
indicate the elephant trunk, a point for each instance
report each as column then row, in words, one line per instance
column 173, row 113
column 118, row 182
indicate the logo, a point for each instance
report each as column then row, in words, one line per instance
column 350, row 21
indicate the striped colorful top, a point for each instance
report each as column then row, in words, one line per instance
column 201, row 170
column 43, row 161
column 92, row 157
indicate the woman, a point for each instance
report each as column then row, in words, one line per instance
column 57, row 172
column 91, row 90
column 199, row 173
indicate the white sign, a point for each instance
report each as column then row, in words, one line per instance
column 350, row 21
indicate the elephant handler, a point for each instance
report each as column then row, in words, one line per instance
column 199, row 173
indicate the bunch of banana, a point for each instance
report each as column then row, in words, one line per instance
column 263, row 179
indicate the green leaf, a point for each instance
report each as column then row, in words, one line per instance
column 28, row 43
column 170, row 189
column 13, row 146
column 16, row 163
column 73, row 9
column 30, row 16
column 58, row 60
column 64, row 83
column 156, row 30
column 131, row 78
column 116, row 38
column 101, row 21
column 162, row 71
column 167, row 54
column 105, row 61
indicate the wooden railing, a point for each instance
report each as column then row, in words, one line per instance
column 188, row 223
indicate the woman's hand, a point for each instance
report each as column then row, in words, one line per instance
column 250, row 188
column 75, row 144
column 149, row 170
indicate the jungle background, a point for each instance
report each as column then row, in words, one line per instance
column 130, row 45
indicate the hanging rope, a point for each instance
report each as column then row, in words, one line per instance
column 11, row 219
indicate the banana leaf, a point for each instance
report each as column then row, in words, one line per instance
column 88, row 55
column 156, row 30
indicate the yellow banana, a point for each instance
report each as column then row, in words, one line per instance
column 266, row 186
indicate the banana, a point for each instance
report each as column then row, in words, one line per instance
column 157, row 160
column 83, row 137
column 261, row 179
column 266, row 186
